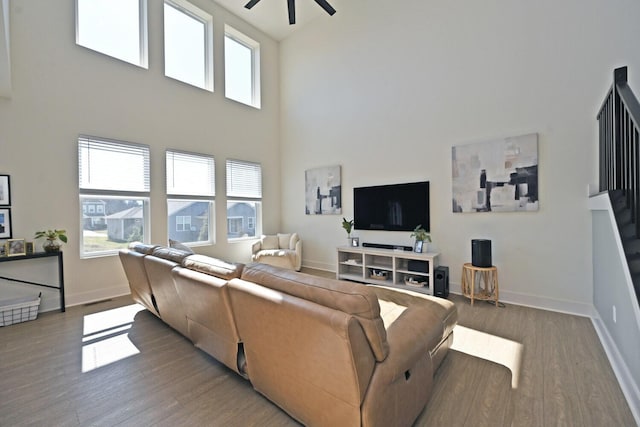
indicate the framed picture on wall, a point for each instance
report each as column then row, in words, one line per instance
column 5, row 191
column 5, row 223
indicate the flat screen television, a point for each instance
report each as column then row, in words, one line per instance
column 396, row 207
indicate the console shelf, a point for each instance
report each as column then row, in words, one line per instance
column 388, row 267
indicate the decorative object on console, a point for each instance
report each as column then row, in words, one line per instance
column 496, row 176
column 292, row 8
column 355, row 242
column 52, row 236
column 323, row 191
column 29, row 248
column 15, row 247
column 378, row 274
column 348, row 226
column 416, row 282
column 421, row 236
column 5, row 223
column 5, row 191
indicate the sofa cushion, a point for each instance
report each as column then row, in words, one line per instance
column 179, row 245
column 283, row 240
column 213, row 266
column 170, row 254
column 355, row 299
column 270, row 242
column 142, row 248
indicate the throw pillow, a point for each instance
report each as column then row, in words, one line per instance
column 283, row 240
column 178, row 245
column 270, row 242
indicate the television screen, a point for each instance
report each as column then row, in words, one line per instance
column 396, row 207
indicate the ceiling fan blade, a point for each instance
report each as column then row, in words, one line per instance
column 326, row 6
column 251, row 4
column 292, row 11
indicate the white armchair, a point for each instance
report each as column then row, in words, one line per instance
column 280, row 250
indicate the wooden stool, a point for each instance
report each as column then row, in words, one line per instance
column 488, row 275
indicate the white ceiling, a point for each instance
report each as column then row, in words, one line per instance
column 272, row 16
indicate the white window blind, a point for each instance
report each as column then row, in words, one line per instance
column 244, row 179
column 113, row 166
column 190, row 174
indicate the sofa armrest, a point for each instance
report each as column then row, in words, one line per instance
column 256, row 246
column 401, row 385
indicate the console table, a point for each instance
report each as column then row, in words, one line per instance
column 387, row 267
column 59, row 288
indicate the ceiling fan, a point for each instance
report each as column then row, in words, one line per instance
column 292, row 8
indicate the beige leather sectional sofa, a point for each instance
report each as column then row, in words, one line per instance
column 328, row 352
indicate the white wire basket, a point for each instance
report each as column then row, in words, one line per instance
column 19, row 310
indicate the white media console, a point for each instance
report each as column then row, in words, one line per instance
column 387, row 267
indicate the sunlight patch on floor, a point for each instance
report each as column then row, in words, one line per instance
column 489, row 347
column 105, row 337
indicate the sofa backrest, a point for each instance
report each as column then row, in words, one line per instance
column 313, row 361
column 158, row 267
column 350, row 298
column 213, row 266
column 133, row 264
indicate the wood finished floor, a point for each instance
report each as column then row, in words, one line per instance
column 564, row 377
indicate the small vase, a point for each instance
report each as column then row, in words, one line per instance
column 51, row 246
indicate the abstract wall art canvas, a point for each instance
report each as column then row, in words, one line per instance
column 323, row 194
column 500, row 175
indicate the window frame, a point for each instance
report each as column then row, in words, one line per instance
column 93, row 192
column 210, row 198
column 237, row 197
column 254, row 47
column 143, row 35
column 205, row 18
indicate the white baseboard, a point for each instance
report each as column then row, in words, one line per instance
column 97, row 295
column 560, row 306
column 627, row 383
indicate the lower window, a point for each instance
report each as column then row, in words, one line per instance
column 189, row 220
column 242, row 219
column 111, row 223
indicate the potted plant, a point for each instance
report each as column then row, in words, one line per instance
column 348, row 226
column 421, row 236
column 52, row 237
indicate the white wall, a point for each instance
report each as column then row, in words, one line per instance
column 60, row 90
column 386, row 89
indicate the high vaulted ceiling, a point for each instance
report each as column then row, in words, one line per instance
column 271, row 16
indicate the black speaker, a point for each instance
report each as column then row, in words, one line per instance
column 441, row 281
column 481, row 253
column 417, row 265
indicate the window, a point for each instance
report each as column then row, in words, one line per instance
column 188, row 44
column 117, row 28
column 190, row 197
column 241, row 67
column 244, row 199
column 114, row 175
